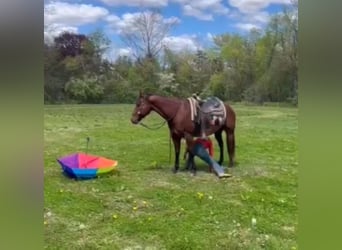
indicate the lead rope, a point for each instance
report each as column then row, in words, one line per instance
column 170, row 148
column 161, row 125
column 153, row 128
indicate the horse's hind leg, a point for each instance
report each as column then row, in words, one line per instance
column 176, row 143
column 231, row 146
column 218, row 136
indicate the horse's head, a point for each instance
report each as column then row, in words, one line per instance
column 142, row 108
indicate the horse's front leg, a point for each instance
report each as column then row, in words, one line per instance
column 176, row 142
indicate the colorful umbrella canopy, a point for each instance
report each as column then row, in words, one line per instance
column 86, row 166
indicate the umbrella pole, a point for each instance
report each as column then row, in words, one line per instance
column 88, row 139
column 87, row 144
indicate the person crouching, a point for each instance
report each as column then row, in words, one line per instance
column 196, row 145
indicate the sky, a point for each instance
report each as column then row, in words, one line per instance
column 197, row 20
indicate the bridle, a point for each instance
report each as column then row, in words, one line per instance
column 158, row 126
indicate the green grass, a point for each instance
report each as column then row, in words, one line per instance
column 143, row 205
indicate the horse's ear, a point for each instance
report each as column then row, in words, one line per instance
column 141, row 93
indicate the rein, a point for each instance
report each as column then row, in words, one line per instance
column 153, row 128
column 158, row 127
column 161, row 125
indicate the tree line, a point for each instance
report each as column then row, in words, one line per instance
column 261, row 66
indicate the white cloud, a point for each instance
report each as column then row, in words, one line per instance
column 214, row 6
column 202, row 9
column 245, row 21
column 181, row 43
column 137, row 3
column 125, row 52
column 113, row 53
column 259, row 17
column 127, row 21
column 54, row 30
column 62, row 16
column 251, row 6
column 247, row 26
column 191, row 11
column 72, row 14
column 257, row 20
column 210, row 37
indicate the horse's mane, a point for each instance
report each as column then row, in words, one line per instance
column 147, row 95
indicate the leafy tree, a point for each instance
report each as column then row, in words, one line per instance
column 258, row 67
column 70, row 44
column 87, row 89
column 100, row 42
column 69, row 60
column 167, row 84
column 218, row 86
column 96, row 48
column 53, row 76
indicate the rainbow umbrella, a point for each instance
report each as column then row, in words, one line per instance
column 86, row 166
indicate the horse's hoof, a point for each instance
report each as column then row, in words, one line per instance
column 175, row 171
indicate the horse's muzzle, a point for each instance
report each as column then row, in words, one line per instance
column 134, row 120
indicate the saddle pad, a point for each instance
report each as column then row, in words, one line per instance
column 193, row 107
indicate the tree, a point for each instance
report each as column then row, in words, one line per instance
column 70, row 44
column 235, row 54
column 100, row 42
column 291, row 18
column 167, row 84
column 87, row 89
column 146, row 34
column 201, row 67
column 258, row 67
column 55, row 75
column 71, row 59
column 217, row 85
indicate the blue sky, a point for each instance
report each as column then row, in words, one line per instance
column 198, row 20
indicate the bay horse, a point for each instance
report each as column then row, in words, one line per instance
column 177, row 113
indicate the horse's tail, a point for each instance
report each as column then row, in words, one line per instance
column 230, row 116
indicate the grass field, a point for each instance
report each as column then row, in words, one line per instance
column 144, row 205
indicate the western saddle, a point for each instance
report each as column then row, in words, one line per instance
column 206, row 113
